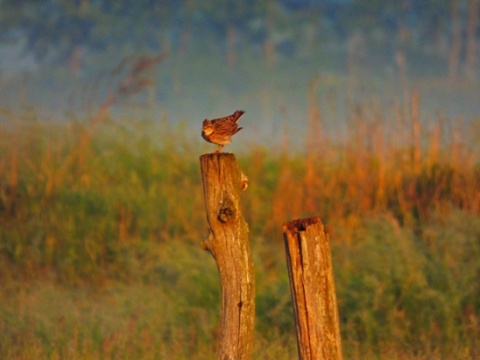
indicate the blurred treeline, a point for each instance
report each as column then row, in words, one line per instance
column 80, row 33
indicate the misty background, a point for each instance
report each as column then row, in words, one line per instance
column 278, row 60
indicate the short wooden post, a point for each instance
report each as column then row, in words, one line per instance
column 228, row 244
column 313, row 289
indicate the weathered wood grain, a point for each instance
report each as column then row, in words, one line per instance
column 229, row 246
column 313, row 289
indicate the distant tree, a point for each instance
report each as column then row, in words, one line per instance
column 228, row 18
column 456, row 41
column 471, row 39
column 66, row 31
column 434, row 22
column 52, row 30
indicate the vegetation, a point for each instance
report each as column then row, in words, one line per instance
column 101, row 219
column 100, row 256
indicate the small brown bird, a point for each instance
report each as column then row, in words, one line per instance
column 220, row 131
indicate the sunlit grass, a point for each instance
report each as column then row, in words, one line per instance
column 99, row 257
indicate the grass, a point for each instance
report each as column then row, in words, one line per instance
column 99, row 255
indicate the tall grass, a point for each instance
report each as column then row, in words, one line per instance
column 103, row 262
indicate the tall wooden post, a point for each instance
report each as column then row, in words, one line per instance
column 313, row 289
column 228, row 244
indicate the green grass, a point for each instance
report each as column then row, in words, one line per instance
column 100, row 255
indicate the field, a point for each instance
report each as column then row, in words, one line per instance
column 100, row 231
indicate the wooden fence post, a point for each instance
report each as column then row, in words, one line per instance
column 228, row 244
column 313, row 289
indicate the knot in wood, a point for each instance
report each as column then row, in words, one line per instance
column 227, row 211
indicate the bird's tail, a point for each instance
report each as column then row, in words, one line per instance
column 237, row 114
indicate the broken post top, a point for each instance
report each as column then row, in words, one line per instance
column 220, row 170
column 297, row 225
column 224, row 163
column 217, row 155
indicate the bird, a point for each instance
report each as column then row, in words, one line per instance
column 220, row 131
